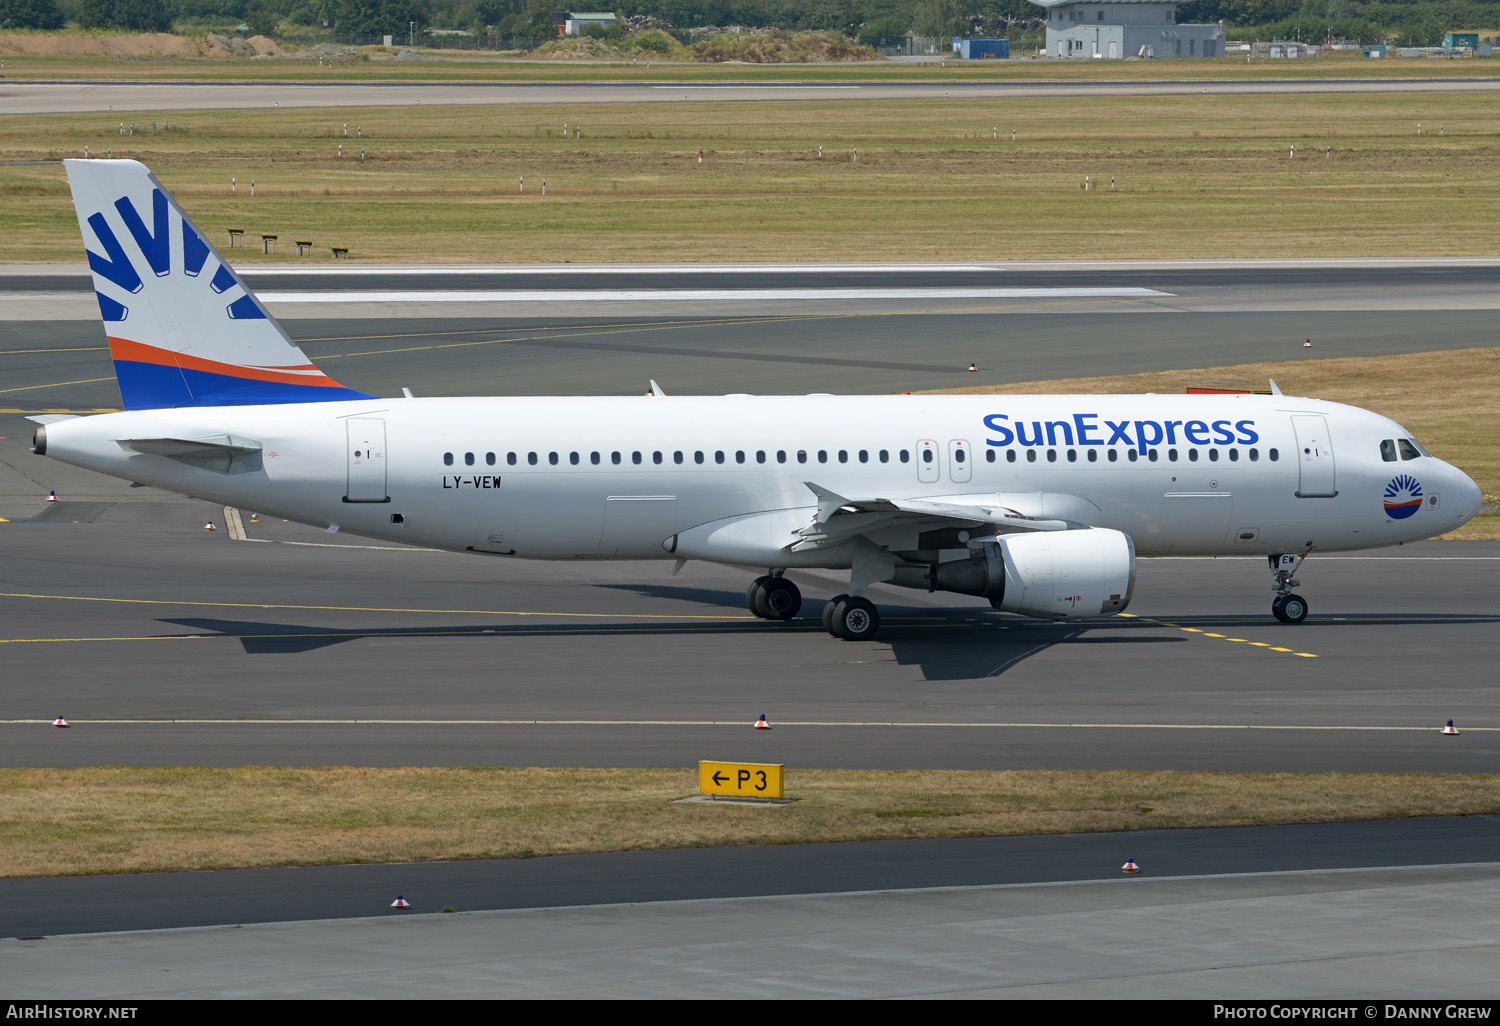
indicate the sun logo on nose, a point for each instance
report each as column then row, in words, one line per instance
column 1403, row 497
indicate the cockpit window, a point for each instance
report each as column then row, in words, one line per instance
column 1409, row 450
column 1388, row 450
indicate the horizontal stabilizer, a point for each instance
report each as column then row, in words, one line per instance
column 216, row 452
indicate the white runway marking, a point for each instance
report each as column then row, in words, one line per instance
column 407, row 270
column 702, row 295
column 741, row 724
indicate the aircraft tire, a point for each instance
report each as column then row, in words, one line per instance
column 829, row 609
column 1293, row 609
column 752, row 600
column 856, row 619
column 1276, row 608
column 778, row 599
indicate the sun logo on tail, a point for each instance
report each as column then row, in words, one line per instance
column 1403, row 497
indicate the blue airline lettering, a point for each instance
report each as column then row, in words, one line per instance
column 194, row 250
column 1084, row 429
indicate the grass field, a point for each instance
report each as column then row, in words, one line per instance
column 116, row 819
column 1440, row 397
column 29, row 57
column 1194, row 176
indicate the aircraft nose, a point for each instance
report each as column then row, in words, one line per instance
column 1470, row 497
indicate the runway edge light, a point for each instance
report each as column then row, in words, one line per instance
column 1130, row 867
column 52, row 495
column 761, row 723
column 1450, row 728
column 210, row 526
column 60, row 722
column 400, row 902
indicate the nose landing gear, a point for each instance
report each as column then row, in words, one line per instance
column 1287, row 606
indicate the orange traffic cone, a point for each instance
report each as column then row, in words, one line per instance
column 1450, row 728
column 973, row 366
column 761, row 723
column 1130, row 866
column 60, row 722
column 52, row 495
column 210, row 526
column 400, row 902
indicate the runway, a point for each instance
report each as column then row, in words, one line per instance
column 120, row 97
column 166, row 645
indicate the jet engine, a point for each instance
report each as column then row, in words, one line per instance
column 1056, row 575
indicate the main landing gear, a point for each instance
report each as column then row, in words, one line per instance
column 1287, row 606
column 773, row 597
column 851, row 618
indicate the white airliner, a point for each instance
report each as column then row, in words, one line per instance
column 1039, row 503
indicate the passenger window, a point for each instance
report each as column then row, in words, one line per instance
column 698, row 456
column 1030, row 455
column 1132, row 455
column 822, row 455
column 1272, row 455
column 594, row 458
column 489, row 458
column 614, row 458
column 1234, row 455
column 760, row 455
column 447, row 459
column 573, row 458
column 468, row 459
column 1254, row 455
column 885, row 456
column 635, row 457
column 801, row 455
column 1051, row 455
column 1192, row 455
column 903, row 456
column 989, row 454
column 552, row 458
column 531, row 458
column 780, row 455
column 1151, row 455
column 1213, row 455
column 1172, row 455
column 926, row 455
column 1114, row 456
column 719, row 456
column 864, row 456
column 510, row 458
column 739, row 456
column 677, row 456
column 1010, row 455
column 1388, row 450
column 1093, row 455
column 1072, row 455
column 1408, row 451
column 656, row 457
column 843, row 455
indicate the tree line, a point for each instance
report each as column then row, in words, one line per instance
column 1412, row 22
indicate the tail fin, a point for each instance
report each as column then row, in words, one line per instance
column 184, row 329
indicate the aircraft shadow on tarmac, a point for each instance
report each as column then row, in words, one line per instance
column 943, row 647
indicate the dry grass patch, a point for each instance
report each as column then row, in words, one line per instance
column 118, row 819
column 932, row 180
column 1448, row 399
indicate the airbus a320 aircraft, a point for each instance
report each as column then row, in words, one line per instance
column 1041, row 504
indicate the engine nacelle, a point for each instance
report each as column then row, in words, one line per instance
column 1056, row 575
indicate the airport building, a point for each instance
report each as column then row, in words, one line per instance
column 1114, row 29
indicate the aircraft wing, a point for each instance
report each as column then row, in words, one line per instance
column 840, row 518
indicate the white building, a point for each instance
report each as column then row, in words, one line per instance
column 1112, row 29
